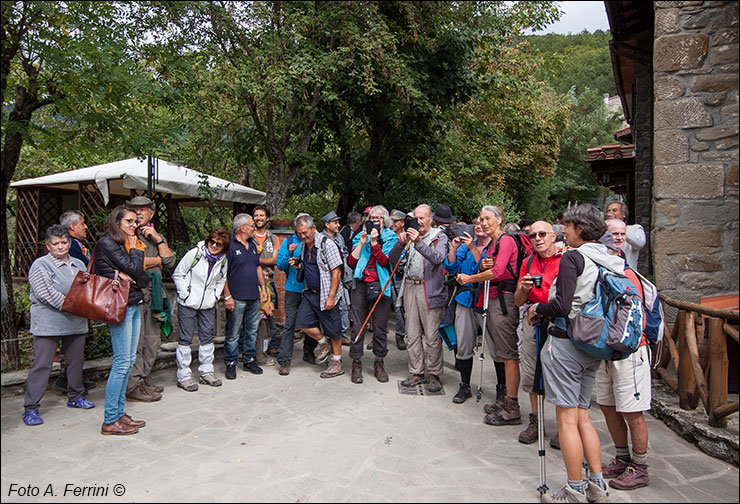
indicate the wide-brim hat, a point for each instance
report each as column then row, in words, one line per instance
column 141, row 201
column 397, row 215
column 443, row 214
column 330, row 217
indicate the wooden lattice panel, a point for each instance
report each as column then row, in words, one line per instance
column 49, row 210
column 26, row 230
column 91, row 203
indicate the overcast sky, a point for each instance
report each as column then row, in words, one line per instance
column 578, row 16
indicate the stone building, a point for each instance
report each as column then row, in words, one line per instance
column 676, row 67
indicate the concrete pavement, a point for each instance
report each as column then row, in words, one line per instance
column 304, row 439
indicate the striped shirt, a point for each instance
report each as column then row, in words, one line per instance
column 329, row 258
column 50, row 280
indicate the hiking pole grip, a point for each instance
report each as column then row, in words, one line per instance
column 370, row 313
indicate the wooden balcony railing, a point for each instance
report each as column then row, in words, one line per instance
column 704, row 378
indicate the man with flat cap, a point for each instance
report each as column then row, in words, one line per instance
column 331, row 230
column 156, row 256
column 398, row 218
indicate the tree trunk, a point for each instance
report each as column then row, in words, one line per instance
column 277, row 186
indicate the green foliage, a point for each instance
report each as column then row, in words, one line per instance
column 315, row 204
column 581, row 60
column 21, row 298
column 102, row 346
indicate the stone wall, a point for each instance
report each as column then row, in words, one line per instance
column 695, row 149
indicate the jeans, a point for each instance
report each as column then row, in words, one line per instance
column 124, row 339
column 292, row 300
column 245, row 314
column 273, row 333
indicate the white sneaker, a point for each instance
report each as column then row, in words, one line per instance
column 565, row 494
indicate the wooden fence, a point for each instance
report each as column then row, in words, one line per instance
column 704, row 378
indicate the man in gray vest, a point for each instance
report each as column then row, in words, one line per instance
column 157, row 256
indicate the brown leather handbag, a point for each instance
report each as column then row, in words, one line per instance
column 97, row 297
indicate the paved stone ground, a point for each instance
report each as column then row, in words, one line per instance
column 300, row 438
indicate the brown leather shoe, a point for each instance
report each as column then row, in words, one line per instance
column 117, row 429
column 380, row 373
column 142, row 394
column 356, row 372
column 152, row 386
column 127, row 421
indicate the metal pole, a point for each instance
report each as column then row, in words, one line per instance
column 486, row 287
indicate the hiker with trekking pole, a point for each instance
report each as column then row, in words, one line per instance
column 500, row 266
column 537, row 275
column 464, row 257
column 371, row 292
column 424, row 296
column 568, row 371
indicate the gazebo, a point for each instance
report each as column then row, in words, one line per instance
column 41, row 200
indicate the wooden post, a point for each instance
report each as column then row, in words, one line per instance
column 701, row 384
column 717, row 349
column 687, row 393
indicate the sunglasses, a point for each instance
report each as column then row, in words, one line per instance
column 214, row 242
column 541, row 234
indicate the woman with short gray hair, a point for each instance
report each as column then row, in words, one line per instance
column 50, row 278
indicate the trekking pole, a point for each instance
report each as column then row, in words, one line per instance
column 359, row 333
column 539, row 388
column 486, row 287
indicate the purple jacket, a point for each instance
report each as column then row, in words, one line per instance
column 434, row 275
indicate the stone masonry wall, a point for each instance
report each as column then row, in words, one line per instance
column 695, row 149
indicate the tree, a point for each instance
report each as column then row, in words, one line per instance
column 67, row 68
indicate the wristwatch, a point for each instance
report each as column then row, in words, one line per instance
column 160, row 243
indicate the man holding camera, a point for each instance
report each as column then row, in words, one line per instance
column 321, row 261
column 157, row 256
column 424, row 295
column 536, row 276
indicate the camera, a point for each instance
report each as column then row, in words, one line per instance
column 369, row 225
column 458, row 230
column 537, row 280
column 297, row 261
column 300, row 273
column 411, row 223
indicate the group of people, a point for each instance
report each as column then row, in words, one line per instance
column 342, row 281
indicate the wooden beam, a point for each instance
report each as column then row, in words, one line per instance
column 686, row 380
column 731, row 331
column 704, row 310
column 717, row 351
column 727, row 409
column 667, row 378
column 690, row 336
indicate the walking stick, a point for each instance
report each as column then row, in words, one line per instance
column 486, row 287
column 359, row 333
column 539, row 388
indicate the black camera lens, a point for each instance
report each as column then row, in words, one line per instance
column 537, row 279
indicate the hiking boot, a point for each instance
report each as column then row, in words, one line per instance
column 188, row 384
column 434, row 384
column 462, row 394
column 565, row 494
column 400, row 343
column 231, row 371
column 210, row 379
column 615, row 467
column 594, row 493
column 32, row 418
column 413, row 380
column 81, row 403
column 309, row 357
column 555, row 442
column 380, row 373
column 356, row 372
column 252, row 367
column 529, row 435
column 507, row 415
column 334, row 369
column 496, row 406
column 635, row 476
column 152, row 386
column 322, row 352
column 273, row 352
column 141, row 394
column 284, row 368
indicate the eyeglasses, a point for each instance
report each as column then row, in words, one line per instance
column 541, row 234
column 129, row 221
column 215, row 243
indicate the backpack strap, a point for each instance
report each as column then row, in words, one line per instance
column 530, row 260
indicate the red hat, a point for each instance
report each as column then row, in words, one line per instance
column 367, row 210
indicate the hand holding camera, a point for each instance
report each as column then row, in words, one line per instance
column 413, row 235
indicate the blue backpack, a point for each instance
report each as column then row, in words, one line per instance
column 654, row 316
column 609, row 326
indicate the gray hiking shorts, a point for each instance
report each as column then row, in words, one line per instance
column 569, row 373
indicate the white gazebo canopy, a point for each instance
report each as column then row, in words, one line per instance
column 120, row 177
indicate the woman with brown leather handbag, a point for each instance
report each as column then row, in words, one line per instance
column 120, row 251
